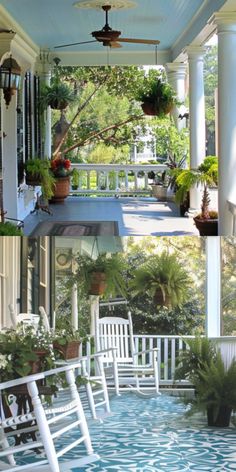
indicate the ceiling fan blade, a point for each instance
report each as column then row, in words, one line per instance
column 114, row 44
column 74, row 44
column 141, row 41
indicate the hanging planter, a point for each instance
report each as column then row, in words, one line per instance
column 98, row 283
column 156, row 96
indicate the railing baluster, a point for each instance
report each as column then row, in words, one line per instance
column 173, row 343
column 146, row 179
column 166, row 358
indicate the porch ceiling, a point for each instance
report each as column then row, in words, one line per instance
column 176, row 23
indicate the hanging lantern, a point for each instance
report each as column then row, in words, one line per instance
column 10, row 78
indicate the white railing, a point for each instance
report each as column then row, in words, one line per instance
column 114, row 179
column 232, row 209
column 170, row 348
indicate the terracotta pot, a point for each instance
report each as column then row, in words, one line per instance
column 69, row 350
column 98, row 283
column 61, row 191
column 37, row 365
column 206, row 227
column 151, row 108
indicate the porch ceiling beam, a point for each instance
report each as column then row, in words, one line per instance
column 111, row 57
column 198, row 31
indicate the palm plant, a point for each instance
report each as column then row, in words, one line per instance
column 163, row 278
column 206, row 174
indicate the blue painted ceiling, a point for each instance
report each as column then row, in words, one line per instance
column 53, row 22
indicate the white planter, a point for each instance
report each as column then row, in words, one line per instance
column 159, row 192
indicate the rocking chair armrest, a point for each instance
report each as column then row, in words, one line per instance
column 39, row 376
column 146, row 351
column 97, row 354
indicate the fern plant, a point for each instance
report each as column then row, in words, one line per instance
column 215, row 391
column 199, row 353
column 163, row 278
column 113, row 268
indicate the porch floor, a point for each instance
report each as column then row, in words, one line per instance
column 134, row 216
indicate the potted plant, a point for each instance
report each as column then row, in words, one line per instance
column 163, row 278
column 103, row 275
column 206, row 174
column 9, row 229
column 38, row 173
column 61, row 171
column 215, row 385
column 25, row 351
column 156, row 95
column 75, row 179
column 58, row 95
column 160, row 186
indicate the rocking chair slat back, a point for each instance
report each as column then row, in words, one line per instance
column 115, row 332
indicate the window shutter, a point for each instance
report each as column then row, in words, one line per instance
column 28, row 117
column 37, row 125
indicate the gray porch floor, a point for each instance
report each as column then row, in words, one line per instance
column 134, row 216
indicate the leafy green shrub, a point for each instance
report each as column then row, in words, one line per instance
column 9, row 229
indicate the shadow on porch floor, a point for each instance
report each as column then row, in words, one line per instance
column 133, row 216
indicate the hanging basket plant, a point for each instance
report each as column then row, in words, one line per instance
column 58, row 96
column 156, row 96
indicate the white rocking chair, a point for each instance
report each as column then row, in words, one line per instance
column 124, row 368
column 29, row 318
column 47, row 425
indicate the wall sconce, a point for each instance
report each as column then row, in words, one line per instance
column 10, row 78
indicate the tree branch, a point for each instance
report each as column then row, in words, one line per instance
column 58, row 148
column 97, row 134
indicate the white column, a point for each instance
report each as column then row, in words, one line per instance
column 213, row 286
column 9, row 157
column 94, row 312
column 176, row 74
column 226, row 26
column 48, row 121
column 197, row 117
column 74, row 307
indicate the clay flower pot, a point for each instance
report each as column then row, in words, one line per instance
column 61, row 190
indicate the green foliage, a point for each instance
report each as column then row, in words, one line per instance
column 39, row 169
column 9, row 229
column 206, row 174
column 75, row 178
column 20, row 349
column 112, row 266
column 162, row 273
column 156, row 90
column 216, row 385
column 210, row 85
column 57, row 96
column 215, row 389
column 200, row 353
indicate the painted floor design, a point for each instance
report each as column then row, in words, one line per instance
column 153, row 435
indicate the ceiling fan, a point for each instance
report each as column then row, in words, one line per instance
column 109, row 37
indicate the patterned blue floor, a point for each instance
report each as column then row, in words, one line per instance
column 153, row 435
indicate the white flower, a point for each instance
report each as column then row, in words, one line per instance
column 3, row 361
